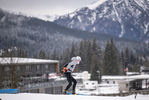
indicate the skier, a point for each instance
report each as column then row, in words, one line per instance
column 67, row 70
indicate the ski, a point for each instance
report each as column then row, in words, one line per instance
column 74, row 94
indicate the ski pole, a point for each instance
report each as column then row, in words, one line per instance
column 54, row 75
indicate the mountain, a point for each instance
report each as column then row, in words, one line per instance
column 33, row 35
column 47, row 17
column 122, row 18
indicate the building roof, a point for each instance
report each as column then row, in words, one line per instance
column 17, row 60
column 126, row 77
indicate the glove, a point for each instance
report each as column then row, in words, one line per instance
column 65, row 72
column 62, row 72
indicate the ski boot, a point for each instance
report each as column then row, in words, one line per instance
column 73, row 92
column 64, row 92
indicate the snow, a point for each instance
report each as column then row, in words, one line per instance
column 72, row 15
column 96, row 4
column 142, row 4
column 47, row 17
column 3, row 19
column 119, row 20
column 93, row 18
column 7, row 60
column 113, row 89
column 79, row 18
column 31, row 96
column 103, row 88
column 146, row 28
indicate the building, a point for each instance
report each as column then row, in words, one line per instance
column 112, row 84
column 127, row 83
column 88, row 87
column 29, row 75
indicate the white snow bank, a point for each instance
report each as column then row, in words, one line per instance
column 29, row 96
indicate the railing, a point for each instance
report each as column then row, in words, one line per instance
column 45, row 85
column 143, row 92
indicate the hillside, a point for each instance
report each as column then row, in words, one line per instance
column 33, row 35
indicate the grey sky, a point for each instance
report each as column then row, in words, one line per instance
column 44, row 6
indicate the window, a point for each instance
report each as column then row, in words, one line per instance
column 52, row 68
column 127, row 85
column 108, row 82
column 113, row 82
column 91, row 89
column 7, row 69
column 38, row 67
column 28, row 68
column 46, row 67
column 18, row 69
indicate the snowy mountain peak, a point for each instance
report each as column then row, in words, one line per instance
column 47, row 17
column 96, row 4
column 123, row 18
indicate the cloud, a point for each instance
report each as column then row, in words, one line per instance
column 44, row 6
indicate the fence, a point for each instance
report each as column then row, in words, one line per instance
column 143, row 92
column 46, row 84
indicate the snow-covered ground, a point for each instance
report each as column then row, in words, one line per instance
column 29, row 96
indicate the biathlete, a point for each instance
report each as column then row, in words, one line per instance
column 67, row 70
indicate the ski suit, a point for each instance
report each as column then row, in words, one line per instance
column 70, row 68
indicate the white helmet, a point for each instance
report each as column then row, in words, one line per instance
column 78, row 58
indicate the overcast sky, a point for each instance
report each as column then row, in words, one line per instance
column 44, row 7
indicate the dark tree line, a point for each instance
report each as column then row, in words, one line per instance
column 108, row 62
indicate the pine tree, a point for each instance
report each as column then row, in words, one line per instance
column 74, row 50
column 95, row 61
column 95, row 68
column 66, row 56
column 85, row 54
column 132, row 58
column 82, row 54
column 95, row 50
column 106, row 59
column 114, row 58
column 110, row 59
column 55, row 55
column 121, row 63
column 42, row 54
column 126, row 57
column 88, row 57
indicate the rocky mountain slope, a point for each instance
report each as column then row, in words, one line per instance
column 122, row 18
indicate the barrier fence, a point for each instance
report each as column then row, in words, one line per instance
column 143, row 92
